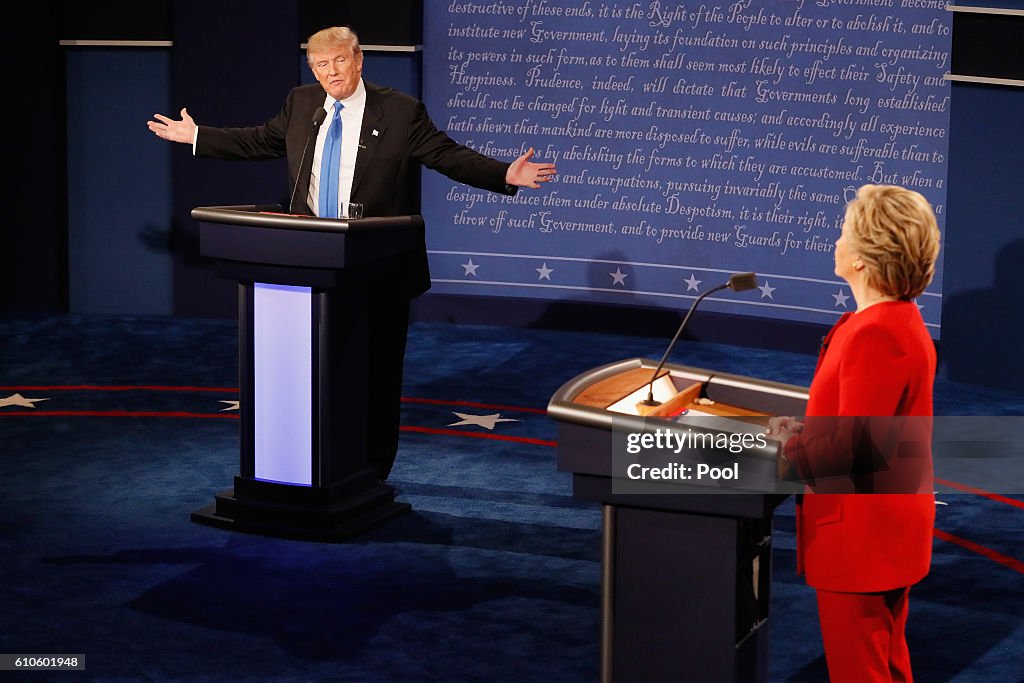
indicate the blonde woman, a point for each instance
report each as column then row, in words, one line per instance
column 864, row 532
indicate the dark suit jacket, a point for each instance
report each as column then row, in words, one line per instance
column 387, row 165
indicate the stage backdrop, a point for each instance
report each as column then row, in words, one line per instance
column 692, row 141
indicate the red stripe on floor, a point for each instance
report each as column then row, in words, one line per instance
column 1005, row 560
column 143, row 387
column 233, row 390
column 472, row 404
column 981, row 492
column 478, row 435
column 117, row 413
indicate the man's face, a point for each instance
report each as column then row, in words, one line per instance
column 338, row 70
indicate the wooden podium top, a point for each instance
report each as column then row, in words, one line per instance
column 598, row 413
column 614, row 392
column 616, row 389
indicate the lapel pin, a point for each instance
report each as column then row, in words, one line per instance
column 375, row 133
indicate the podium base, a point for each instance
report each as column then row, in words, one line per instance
column 301, row 512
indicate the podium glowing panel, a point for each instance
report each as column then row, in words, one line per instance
column 283, row 394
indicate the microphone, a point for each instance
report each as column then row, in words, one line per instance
column 318, row 118
column 739, row 282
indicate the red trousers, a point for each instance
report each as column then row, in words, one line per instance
column 865, row 636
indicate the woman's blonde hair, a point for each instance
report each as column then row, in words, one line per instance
column 894, row 232
column 335, row 36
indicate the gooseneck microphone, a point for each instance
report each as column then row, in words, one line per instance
column 738, row 282
column 318, row 118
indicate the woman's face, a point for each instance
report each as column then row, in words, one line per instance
column 844, row 255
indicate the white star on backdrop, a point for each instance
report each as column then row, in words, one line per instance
column 618, row 277
column 840, row 299
column 691, row 284
column 232, row 405
column 545, row 272
column 485, row 421
column 20, row 401
column 766, row 290
column 470, row 268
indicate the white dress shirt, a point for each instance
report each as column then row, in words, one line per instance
column 351, row 125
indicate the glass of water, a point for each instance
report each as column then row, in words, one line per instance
column 354, row 210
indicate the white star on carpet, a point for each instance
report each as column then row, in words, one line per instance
column 470, row 268
column 691, row 284
column 545, row 272
column 485, row 421
column 840, row 299
column 618, row 277
column 232, row 405
column 766, row 290
column 20, row 401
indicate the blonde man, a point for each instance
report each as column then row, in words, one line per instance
column 376, row 139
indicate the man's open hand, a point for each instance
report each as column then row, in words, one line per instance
column 525, row 173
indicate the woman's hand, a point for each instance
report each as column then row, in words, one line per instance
column 782, row 429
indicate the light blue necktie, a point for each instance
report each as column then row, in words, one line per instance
column 330, row 166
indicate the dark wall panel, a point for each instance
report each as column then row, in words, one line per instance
column 118, row 20
column 990, row 45
column 385, row 22
column 232, row 65
column 119, row 181
column 33, row 239
column 983, row 311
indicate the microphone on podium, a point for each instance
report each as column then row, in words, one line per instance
column 739, row 282
column 318, row 118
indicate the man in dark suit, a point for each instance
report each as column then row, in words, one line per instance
column 380, row 137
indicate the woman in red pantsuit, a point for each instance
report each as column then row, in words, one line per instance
column 864, row 532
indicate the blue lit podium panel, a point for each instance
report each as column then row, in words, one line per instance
column 304, row 294
column 686, row 559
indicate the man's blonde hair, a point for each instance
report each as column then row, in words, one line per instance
column 895, row 233
column 335, row 36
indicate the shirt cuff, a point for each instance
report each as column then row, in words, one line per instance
column 195, row 138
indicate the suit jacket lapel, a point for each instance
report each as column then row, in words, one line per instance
column 302, row 178
column 370, row 135
column 300, row 203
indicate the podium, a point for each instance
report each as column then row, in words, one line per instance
column 686, row 563
column 304, row 291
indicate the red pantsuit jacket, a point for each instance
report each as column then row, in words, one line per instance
column 865, row 524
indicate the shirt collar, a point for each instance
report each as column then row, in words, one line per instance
column 355, row 100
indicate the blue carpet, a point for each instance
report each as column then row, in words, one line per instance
column 493, row 577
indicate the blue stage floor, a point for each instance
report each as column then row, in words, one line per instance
column 124, row 426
